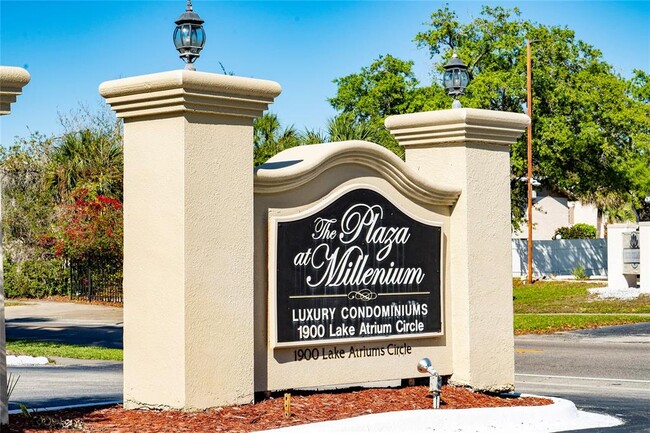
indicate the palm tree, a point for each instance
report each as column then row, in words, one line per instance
column 87, row 158
column 270, row 139
column 345, row 127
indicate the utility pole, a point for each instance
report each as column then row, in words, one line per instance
column 529, row 107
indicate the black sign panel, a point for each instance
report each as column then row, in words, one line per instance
column 359, row 268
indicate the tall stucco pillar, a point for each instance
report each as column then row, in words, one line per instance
column 188, row 236
column 469, row 149
column 644, row 244
column 616, row 279
column 12, row 81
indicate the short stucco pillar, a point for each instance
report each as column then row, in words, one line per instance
column 616, row 279
column 12, row 81
column 188, row 236
column 644, row 244
column 469, row 149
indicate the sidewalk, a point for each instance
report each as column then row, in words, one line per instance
column 561, row 416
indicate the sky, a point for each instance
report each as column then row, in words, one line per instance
column 71, row 47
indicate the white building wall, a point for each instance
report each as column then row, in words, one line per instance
column 550, row 212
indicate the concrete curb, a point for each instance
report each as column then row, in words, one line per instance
column 25, row 360
column 72, row 406
column 560, row 416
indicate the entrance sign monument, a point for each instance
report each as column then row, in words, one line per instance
column 331, row 264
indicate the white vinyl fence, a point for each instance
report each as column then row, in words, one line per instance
column 560, row 257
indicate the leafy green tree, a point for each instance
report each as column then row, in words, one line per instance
column 27, row 208
column 644, row 211
column 30, row 270
column 590, row 139
column 39, row 176
column 640, row 86
column 388, row 86
column 590, row 126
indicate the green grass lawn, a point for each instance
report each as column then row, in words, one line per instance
column 551, row 306
column 48, row 349
column 545, row 324
column 570, row 297
column 15, row 303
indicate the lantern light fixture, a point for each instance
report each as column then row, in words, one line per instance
column 189, row 36
column 455, row 78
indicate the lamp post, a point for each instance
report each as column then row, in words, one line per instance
column 189, row 36
column 529, row 109
column 455, row 79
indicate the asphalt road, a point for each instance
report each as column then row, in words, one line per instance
column 74, row 382
column 68, row 382
column 605, row 370
column 88, row 325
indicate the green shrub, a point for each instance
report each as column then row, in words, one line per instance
column 35, row 278
column 579, row 272
column 577, row 231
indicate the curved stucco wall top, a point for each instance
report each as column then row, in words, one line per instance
column 298, row 165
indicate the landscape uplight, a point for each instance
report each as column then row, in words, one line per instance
column 456, row 78
column 435, row 384
column 189, row 36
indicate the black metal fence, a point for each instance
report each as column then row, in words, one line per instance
column 97, row 279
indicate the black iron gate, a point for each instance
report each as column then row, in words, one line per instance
column 96, row 279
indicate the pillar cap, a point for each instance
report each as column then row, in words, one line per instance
column 181, row 91
column 12, row 81
column 457, row 126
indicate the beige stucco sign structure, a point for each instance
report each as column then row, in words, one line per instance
column 12, row 81
column 331, row 264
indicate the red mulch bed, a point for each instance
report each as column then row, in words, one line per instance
column 268, row 414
